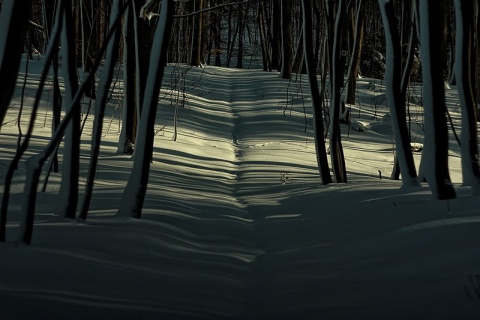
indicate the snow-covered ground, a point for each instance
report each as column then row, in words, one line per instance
column 236, row 222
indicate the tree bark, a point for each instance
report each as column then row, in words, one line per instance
column 100, row 104
column 396, row 96
column 357, row 24
column 337, row 78
column 71, row 163
column 276, row 37
column 287, row 40
column 14, row 24
column 464, row 53
column 129, row 116
column 435, row 152
column 133, row 197
column 317, row 99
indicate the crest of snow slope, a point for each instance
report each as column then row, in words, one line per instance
column 237, row 225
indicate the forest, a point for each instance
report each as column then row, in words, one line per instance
column 225, row 124
column 332, row 41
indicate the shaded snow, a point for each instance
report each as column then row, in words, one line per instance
column 237, row 225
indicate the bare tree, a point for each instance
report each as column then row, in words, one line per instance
column 435, row 153
column 287, row 40
column 464, row 74
column 336, row 11
column 357, row 27
column 396, row 93
column 133, row 196
column 317, row 98
column 71, row 164
column 100, row 104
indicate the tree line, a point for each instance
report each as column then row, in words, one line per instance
column 332, row 41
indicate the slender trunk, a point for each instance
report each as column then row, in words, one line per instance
column 71, row 163
column 354, row 66
column 100, row 104
column 129, row 116
column 395, row 95
column 321, row 153
column 287, row 40
column 263, row 37
column 276, row 37
column 337, row 77
column 241, row 31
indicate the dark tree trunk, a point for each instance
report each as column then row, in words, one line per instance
column 337, row 64
column 287, row 40
column 276, row 37
column 357, row 28
column 11, row 48
column 196, row 36
column 71, row 164
column 134, row 195
column 435, row 152
column 464, row 73
column 130, row 89
column 317, row 99
column 100, row 104
column 397, row 96
column 263, row 37
column 241, row 31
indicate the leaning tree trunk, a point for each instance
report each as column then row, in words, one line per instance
column 319, row 131
column 464, row 13
column 43, row 76
column 133, row 196
column 435, row 152
column 13, row 25
column 35, row 163
column 100, row 105
column 396, row 97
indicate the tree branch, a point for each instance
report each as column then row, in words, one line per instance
column 209, row 9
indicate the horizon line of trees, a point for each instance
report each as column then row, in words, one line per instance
column 332, row 41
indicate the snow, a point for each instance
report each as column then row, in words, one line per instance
column 236, row 223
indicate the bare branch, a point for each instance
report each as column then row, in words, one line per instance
column 210, row 9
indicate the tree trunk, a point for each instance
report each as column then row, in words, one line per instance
column 287, row 40
column 35, row 163
column 129, row 116
column 276, row 36
column 337, row 78
column 100, row 104
column 241, row 16
column 396, row 96
column 464, row 72
column 13, row 25
column 357, row 25
column 317, row 99
column 435, row 152
column 196, row 36
column 263, row 37
column 133, row 197
column 71, row 159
